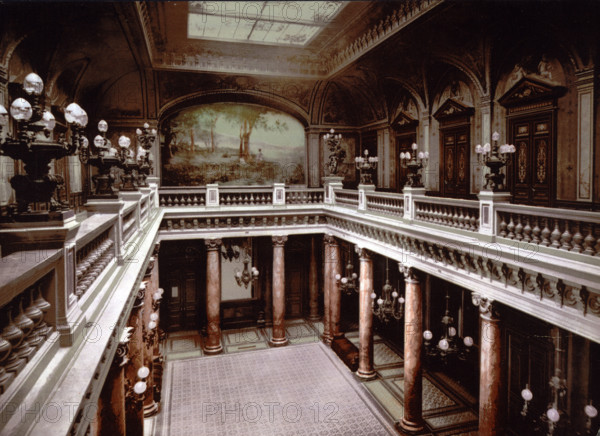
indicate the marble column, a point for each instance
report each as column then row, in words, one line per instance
column 326, row 336
column 412, row 420
column 335, row 291
column 134, row 414
column 110, row 417
column 313, row 282
column 365, row 316
column 491, row 418
column 213, row 296
column 278, row 338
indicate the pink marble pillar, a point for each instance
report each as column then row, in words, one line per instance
column 326, row 336
column 279, row 338
column 491, row 417
column 335, row 291
column 365, row 316
column 412, row 421
column 213, row 296
column 134, row 414
column 313, row 282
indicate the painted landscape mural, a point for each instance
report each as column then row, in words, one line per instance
column 232, row 144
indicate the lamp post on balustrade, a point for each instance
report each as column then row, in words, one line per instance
column 414, row 162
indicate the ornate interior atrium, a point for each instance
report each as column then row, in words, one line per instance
column 255, row 218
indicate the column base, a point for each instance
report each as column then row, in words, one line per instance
column 150, row 409
column 314, row 318
column 279, row 342
column 326, row 339
column 215, row 349
column 409, row 426
column 366, row 376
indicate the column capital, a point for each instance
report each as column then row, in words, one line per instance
column 488, row 308
column 279, row 240
column 122, row 354
column 330, row 239
column 213, row 244
column 362, row 252
column 139, row 298
column 410, row 273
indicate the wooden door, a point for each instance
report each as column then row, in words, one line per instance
column 531, row 173
column 182, row 301
column 455, row 161
column 403, row 144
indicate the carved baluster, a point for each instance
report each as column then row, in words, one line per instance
column 455, row 219
column 511, row 228
column 577, row 239
column 536, row 231
column 5, row 377
column 519, row 229
column 474, row 221
column 34, row 340
column 566, row 238
column 588, row 242
column 503, row 226
column 176, row 201
column 527, row 231
column 555, row 235
column 545, row 233
column 15, row 336
column 26, row 325
column 461, row 219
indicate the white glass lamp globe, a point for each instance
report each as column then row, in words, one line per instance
column 151, row 325
column 143, row 372
column 414, row 146
column 395, row 294
column 380, row 301
column 146, row 126
column 553, row 414
column 526, row 394
column 153, row 131
column 102, row 126
column 451, row 332
column 427, row 335
column 139, row 388
column 344, row 280
column 82, row 118
column 124, row 141
column 71, row 113
column 590, row 411
column 154, row 316
column 20, row 109
column 443, row 344
column 254, row 271
column 338, row 276
column 373, row 295
column 156, row 296
column 48, row 120
column 468, row 341
column 33, row 84
column 401, row 300
column 84, row 142
column 138, row 132
column 3, row 116
column 99, row 141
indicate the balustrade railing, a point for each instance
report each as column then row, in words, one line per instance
column 455, row 213
column 562, row 229
column 177, row 198
column 304, row 196
column 128, row 225
column 24, row 331
column 241, row 197
column 92, row 259
column 346, row 197
column 392, row 204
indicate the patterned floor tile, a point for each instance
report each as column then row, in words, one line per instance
column 384, row 355
column 270, row 392
column 448, row 420
column 242, row 336
column 433, row 397
column 386, row 399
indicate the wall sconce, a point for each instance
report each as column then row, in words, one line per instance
column 414, row 162
column 135, row 394
column 33, row 144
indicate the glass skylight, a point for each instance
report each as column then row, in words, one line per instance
column 263, row 22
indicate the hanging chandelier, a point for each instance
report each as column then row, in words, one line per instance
column 414, row 163
column 390, row 305
column 349, row 283
column 494, row 157
column 449, row 343
column 231, row 252
column 33, row 143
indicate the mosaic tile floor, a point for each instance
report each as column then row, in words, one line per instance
column 269, row 392
column 447, row 412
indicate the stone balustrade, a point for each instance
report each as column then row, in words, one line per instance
column 455, row 213
column 390, row 204
column 346, row 197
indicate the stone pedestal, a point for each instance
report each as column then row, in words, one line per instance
column 213, row 296
column 278, row 338
column 362, row 195
column 313, row 282
column 487, row 214
column 409, row 193
column 412, row 420
column 365, row 316
column 331, row 183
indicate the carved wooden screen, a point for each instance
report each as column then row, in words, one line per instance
column 531, row 174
